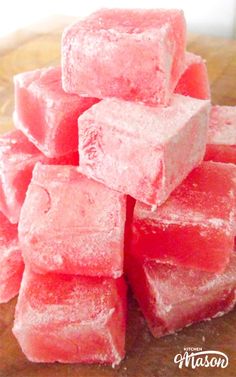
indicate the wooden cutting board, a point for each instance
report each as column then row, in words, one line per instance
column 146, row 356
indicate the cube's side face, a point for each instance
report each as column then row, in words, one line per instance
column 178, row 35
column 16, row 148
column 30, row 113
column 145, row 294
column 124, row 162
column 3, row 199
column 14, row 186
column 199, row 308
column 222, row 126
column 8, row 232
column 69, row 343
column 193, row 245
column 10, row 287
column 63, row 137
column 10, row 260
column 117, row 321
column 185, row 150
column 194, row 82
column 198, row 293
column 12, row 267
column 72, row 258
column 67, row 159
column 221, row 153
column 170, row 309
column 47, row 115
column 122, row 65
column 208, row 193
column 83, row 328
column 12, row 197
column 41, row 121
column 89, row 235
column 10, row 148
column 21, row 182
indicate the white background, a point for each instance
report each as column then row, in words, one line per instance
column 214, row 17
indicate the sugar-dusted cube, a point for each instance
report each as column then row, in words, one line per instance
column 45, row 113
column 71, row 224
column 194, row 79
column 172, row 297
column 11, row 262
column 17, row 159
column 221, row 144
column 132, row 54
column 195, row 227
column 141, row 150
column 71, row 319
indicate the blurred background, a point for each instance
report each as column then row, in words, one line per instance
column 210, row 17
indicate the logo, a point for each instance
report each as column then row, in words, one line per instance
column 196, row 357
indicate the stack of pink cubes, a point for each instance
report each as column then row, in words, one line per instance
column 104, row 174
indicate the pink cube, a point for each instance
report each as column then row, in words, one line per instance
column 195, row 227
column 71, row 319
column 140, row 150
column 194, row 79
column 11, row 262
column 221, row 145
column 132, row 54
column 17, row 159
column 71, row 224
column 45, row 113
column 172, row 297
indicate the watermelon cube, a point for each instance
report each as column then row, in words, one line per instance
column 11, row 262
column 131, row 54
column 73, row 225
column 18, row 157
column 221, row 145
column 45, row 113
column 71, row 319
column 172, row 297
column 195, row 227
column 194, row 79
column 141, row 150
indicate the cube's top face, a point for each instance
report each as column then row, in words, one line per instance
column 156, row 125
column 15, row 149
column 45, row 83
column 207, row 196
column 175, row 284
column 58, row 298
column 8, row 232
column 222, row 126
column 130, row 21
column 61, row 198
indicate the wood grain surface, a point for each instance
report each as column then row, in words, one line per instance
column 146, row 356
